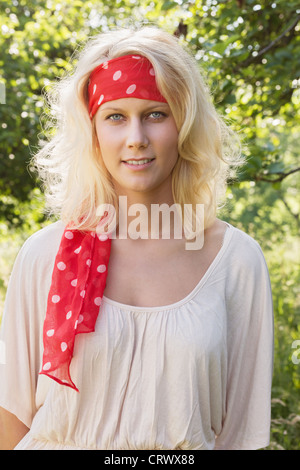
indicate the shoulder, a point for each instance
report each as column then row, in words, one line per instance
column 44, row 240
column 244, row 259
column 42, row 246
column 248, row 292
column 243, row 248
column 30, row 278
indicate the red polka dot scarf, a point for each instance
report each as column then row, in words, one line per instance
column 130, row 76
column 78, row 282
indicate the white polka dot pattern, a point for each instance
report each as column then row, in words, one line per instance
column 73, row 301
column 130, row 76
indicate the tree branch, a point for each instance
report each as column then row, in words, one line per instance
column 276, row 180
column 296, row 216
column 253, row 59
column 272, row 43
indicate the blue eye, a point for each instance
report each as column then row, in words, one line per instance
column 156, row 115
column 115, row 117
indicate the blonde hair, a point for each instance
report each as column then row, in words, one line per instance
column 75, row 179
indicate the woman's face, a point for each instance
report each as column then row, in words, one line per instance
column 138, row 142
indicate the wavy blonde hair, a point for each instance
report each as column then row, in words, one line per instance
column 75, row 179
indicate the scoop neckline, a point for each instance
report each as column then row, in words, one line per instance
column 188, row 297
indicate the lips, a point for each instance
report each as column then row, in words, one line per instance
column 141, row 161
column 138, row 164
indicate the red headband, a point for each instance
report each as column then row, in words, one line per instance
column 130, row 76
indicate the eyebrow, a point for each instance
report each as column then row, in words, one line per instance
column 112, row 108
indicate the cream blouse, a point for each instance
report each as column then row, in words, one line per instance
column 195, row 374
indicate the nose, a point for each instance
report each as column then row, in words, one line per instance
column 137, row 136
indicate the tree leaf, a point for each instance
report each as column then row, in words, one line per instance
column 221, row 47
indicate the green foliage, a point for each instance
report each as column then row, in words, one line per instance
column 268, row 214
column 37, row 41
column 249, row 52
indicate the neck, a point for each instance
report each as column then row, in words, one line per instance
column 145, row 214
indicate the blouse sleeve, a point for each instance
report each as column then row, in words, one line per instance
column 22, row 325
column 246, row 424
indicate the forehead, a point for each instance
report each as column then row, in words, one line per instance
column 132, row 104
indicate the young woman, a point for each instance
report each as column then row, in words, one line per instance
column 175, row 343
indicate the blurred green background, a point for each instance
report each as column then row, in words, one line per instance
column 249, row 52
